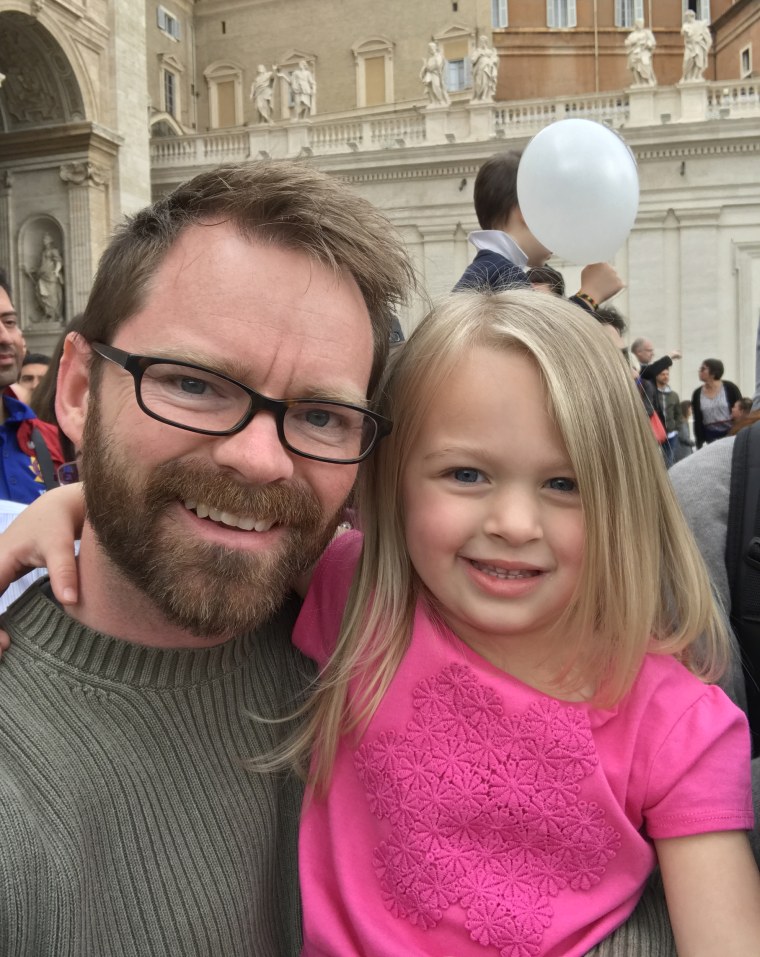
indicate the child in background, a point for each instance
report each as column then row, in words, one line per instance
column 512, row 726
column 507, row 247
column 511, row 729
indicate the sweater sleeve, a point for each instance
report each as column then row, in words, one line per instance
column 318, row 625
column 700, row 777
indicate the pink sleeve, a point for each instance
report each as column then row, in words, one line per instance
column 318, row 624
column 700, row 777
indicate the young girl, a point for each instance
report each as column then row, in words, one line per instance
column 511, row 728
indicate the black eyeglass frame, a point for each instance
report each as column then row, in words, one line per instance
column 136, row 365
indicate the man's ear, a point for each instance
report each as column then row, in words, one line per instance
column 73, row 387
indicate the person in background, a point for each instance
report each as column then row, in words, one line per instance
column 649, row 367
column 33, row 368
column 685, row 441
column 30, row 452
column 740, row 410
column 672, row 416
column 547, row 279
column 712, row 403
column 506, row 246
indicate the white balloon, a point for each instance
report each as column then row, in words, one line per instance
column 578, row 189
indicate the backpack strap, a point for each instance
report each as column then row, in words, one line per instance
column 743, row 564
column 44, row 460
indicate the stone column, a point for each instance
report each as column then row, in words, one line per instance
column 87, row 210
column 693, row 101
column 481, row 121
column 436, row 124
column 641, row 100
column 6, row 222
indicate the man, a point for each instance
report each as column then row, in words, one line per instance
column 128, row 824
column 669, row 405
column 643, row 349
column 33, row 368
column 21, row 464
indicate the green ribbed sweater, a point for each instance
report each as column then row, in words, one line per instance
column 128, row 827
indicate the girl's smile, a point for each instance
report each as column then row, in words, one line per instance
column 493, row 515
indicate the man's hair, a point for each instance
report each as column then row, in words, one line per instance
column 5, row 283
column 640, row 588
column 547, row 276
column 277, row 203
column 637, row 344
column 744, row 404
column 35, row 358
column 610, row 316
column 495, row 191
column 714, row 367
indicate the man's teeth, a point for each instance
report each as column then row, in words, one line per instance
column 246, row 522
column 505, row 572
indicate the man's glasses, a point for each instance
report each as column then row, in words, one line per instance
column 191, row 397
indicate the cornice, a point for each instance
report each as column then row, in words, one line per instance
column 71, row 138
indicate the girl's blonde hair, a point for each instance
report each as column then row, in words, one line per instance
column 643, row 586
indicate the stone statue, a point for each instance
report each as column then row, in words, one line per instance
column 433, row 76
column 697, row 41
column 303, row 86
column 47, row 280
column 485, row 69
column 640, row 44
column 262, row 90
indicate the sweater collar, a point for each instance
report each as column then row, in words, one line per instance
column 37, row 620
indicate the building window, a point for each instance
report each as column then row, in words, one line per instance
column 745, row 63
column 168, row 23
column 627, row 12
column 373, row 60
column 560, row 13
column 499, row 13
column 225, row 95
column 170, row 103
column 456, row 50
column 700, row 8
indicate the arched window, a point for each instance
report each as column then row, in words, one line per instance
column 374, row 71
column 225, row 95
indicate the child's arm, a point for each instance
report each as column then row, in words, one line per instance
column 44, row 535
column 712, row 886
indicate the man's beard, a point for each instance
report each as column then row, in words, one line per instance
column 207, row 589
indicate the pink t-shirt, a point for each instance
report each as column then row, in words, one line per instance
column 477, row 817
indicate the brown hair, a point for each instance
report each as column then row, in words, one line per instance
column 495, row 191
column 274, row 202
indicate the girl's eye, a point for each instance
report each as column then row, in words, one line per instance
column 563, row 485
column 467, row 476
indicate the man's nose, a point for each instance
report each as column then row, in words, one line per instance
column 256, row 452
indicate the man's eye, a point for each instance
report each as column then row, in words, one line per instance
column 193, row 386
column 466, row 476
column 563, row 485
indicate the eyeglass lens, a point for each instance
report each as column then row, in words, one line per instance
column 202, row 400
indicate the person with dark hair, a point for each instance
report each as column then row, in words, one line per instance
column 712, row 403
column 685, row 441
column 43, row 397
column 547, row 279
column 33, row 368
column 649, row 367
column 739, row 412
column 506, row 246
column 29, row 449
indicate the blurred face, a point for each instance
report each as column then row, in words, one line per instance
column 213, row 529
column 31, row 373
column 12, row 347
column 663, row 378
column 645, row 352
column 704, row 374
column 737, row 412
column 493, row 516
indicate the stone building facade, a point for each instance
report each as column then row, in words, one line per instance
column 121, row 99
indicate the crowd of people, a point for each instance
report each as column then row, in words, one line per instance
column 494, row 707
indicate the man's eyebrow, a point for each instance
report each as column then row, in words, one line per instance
column 8, row 313
column 234, row 369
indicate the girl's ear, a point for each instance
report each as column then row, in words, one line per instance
column 73, row 387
